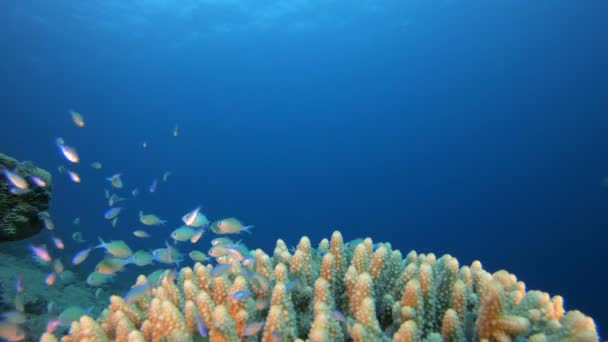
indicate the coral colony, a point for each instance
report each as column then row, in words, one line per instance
column 356, row 291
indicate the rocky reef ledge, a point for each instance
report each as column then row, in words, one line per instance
column 19, row 211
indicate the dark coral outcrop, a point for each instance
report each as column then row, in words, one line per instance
column 19, row 213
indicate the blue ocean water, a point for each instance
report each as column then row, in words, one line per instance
column 473, row 128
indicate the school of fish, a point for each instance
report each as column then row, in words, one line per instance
column 114, row 256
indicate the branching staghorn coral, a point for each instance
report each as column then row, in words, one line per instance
column 338, row 292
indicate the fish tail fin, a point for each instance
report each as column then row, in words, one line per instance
column 247, row 229
column 102, row 243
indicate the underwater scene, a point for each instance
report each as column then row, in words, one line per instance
column 303, row 170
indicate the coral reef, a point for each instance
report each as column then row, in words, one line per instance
column 19, row 212
column 337, row 292
column 39, row 302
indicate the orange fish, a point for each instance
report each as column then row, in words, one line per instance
column 50, row 279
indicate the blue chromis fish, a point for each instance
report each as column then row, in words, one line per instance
column 249, row 261
column 40, row 252
column 77, row 236
column 18, row 283
column 15, row 180
column 183, row 233
column 45, row 217
column 67, row 151
column 112, row 213
column 97, row 279
column 18, row 192
column 150, row 219
column 117, row 248
column 202, row 330
column 116, row 180
column 142, row 258
column 39, row 182
column 81, row 256
column 218, row 251
column 168, row 255
column 114, row 199
column 221, row 241
column 197, row 235
column 259, row 282
column 111, row 265
column 229, row 225
column 52, row 325
column 152, row 187
column 141, row 234
column 252, row 328
column 137, row 292
column 198, row 256
column 195, row 218
column 241, row 294
column 58, row 242
column 338, row 315
column 220, row 270
column 70, row 314
column 74, row 177
column 77, row 118
column 50, row 279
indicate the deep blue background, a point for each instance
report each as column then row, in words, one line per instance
column 475, row 128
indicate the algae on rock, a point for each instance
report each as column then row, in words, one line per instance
column 19, row 213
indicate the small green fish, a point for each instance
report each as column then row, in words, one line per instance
column 167, row 255
column 198, row 256
column 155, row 277
column 137, row 292
column 70, row 314
column 141, row 234
column 142, row 258
column 114, row 199
column 110, row 265
column 195, row 218
column 112, row 213
column 183, row 233
column 150, row 219
column 229, row 225
column 218, row 251
column 221, row 241
column 117, row 248
column 96, row 279
column 116, row 181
